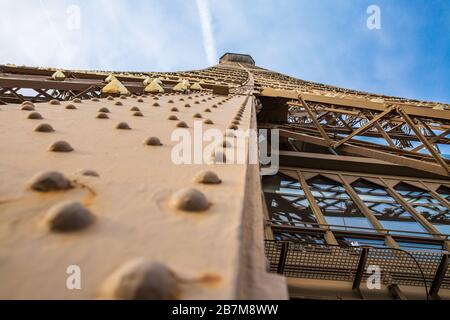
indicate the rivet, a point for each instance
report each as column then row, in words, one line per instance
column 233, row 127
column 123, row 126
column 89, row 173
column 196, row 102
column 170, row 101
column 207, row 110
column 152, row 141
column 189, row 199
column 27, row 107
column 76, row 100
column 181, row 99
column 118, row 103
column 134, row 109
column 140, row 100
column 155, row 98
column 95, row 99
column 141, row 279
column 207, row 177
column 182, row 124
column 49, row 181
column 54, row 102
column 123, row 97
column 102, row 115
column 104, row 109
column 60, row 146
column 44, row 127
column 187, row 105
column 172, row 117
column 35, row 116
column 156, row 104
column 110, row 98
column 208, row 121
column 70, row 107
column 214, row 106
column 197, row 115
column 27, row 103
column 174, row 109
column 236, row 122
column 138, row 114
column 68, row 216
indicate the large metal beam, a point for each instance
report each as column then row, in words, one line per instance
column 309, row 160
column 439, row 276
column 424, row 141
column 329, row 237
column 361, row 268
column 371, row 153
column 312, row 116
column 283, row 255
column 344, row 131
column 365, row 233
column 412, row 110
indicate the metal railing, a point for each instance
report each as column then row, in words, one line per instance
column 309, row 226
column 311, row 261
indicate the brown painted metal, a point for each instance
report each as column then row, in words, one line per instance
column 425, row 142
column 439, row 276
column 319, row 120
column 361, row 268
column 329, row 237
column 320, row 126
column 365, row 127
column 85, row 84
column 390, row 242
column 370, row 153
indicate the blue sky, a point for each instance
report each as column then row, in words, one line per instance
column 321, row 40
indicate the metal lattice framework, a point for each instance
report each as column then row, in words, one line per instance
column 19, row 84
column 357, row 169
column 398, row 134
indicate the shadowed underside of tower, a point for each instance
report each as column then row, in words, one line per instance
column 88, row 180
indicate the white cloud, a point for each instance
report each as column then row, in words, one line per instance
column 208, row 36
column 114, row 35
column 324, row 41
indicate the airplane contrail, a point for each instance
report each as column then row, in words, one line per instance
column 52, row 26
column 208, row 37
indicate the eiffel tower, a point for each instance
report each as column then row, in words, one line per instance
column 358, row 209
